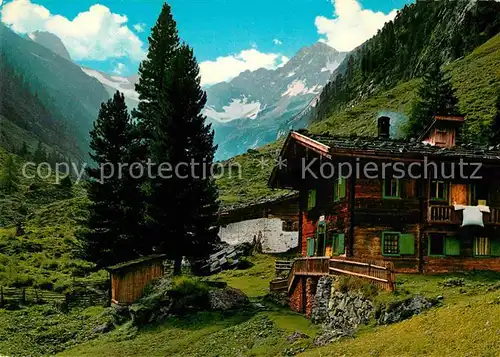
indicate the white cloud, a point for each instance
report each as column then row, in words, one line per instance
column 277, row 42
column 228, row 67
column 96, row 34
column 140, row 27
column 119, row 68
column 351, row 26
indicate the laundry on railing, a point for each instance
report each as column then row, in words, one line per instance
column 472, row 215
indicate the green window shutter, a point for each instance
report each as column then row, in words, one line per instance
column 340, row 243
column 495, row 247
column 407, row 244
column 310, row 247
column 311, row 199
column 342, row 188
column 452, row 245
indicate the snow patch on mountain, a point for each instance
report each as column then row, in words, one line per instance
column 237, row 109
column 118, row 83
column 298, row 87
column 330, row 67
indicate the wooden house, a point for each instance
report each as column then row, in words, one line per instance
column 129, row 279
column 404, row 202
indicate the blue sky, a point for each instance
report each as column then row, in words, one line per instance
column 241, row 34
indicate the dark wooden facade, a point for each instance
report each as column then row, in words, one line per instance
column 415, row 225
column 285, row 207
column 129, row 279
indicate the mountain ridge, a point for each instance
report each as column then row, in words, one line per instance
column 253, row 108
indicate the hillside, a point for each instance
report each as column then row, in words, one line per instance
column 476, row 79
column 42, row 256
column 72, row 97
column 465, row 324
column 401, row 50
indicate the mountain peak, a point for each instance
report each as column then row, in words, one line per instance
column 51, row 42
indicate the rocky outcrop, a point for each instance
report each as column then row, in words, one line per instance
column 403, row 310
column 338, row 313
column 227, row 299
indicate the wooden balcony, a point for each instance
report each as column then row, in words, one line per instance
column 379, row 273
column 448, row 215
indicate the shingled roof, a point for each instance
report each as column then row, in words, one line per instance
column 390, row 147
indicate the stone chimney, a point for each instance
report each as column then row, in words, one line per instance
column 384, row 127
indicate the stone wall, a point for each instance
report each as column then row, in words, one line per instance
column 269, row 230
column 337, row 312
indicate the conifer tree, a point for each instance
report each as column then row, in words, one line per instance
column 40, row 154
column 115, row 211
column 182, row 208
column 163, row 44
column 435, row 97
column 9, row 178
column 23, row 151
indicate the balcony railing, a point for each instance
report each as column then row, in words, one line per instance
column 447, row 214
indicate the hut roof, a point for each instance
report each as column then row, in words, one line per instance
column 136, row 262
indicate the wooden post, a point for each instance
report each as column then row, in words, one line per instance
column 23, row 296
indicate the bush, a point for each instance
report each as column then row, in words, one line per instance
column 347, row 283
column 188, row 295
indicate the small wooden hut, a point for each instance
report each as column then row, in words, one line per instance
column 129, row 279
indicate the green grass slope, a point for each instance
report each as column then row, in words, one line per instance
column 244, row 177
column 42, row 256
column 261, row 331
column 466, row 323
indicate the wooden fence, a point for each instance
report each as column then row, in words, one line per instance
column 79, row 298
column 379, row 273
column 28, row 295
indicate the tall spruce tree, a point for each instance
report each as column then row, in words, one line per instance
column 113, row 232
column 163, row 44
column 435, row 97
column 9, row 178
column 182, row 209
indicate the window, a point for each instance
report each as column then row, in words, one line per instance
column 436, row 244
column 339, row 189
column 390, row 243
column 311, row 199
column 321, row 239
column 479, row 192
column 396, row 244
column 439, row 190
column 481, row 246
column 287, row 226
column 391, row 188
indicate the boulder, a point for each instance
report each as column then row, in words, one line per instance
column 227, row 299
column 403, row 310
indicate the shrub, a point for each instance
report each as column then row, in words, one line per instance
column 347, row 283
column 188, row 295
